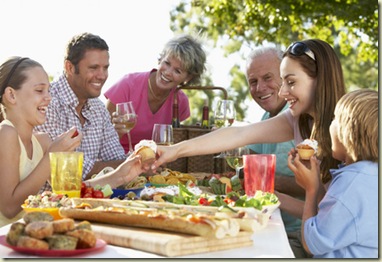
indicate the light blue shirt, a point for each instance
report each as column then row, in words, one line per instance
column 281, row 151
column 346, row 225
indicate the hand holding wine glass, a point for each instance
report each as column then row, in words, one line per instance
column 125, row 115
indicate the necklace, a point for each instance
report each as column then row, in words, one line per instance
column 155, row 96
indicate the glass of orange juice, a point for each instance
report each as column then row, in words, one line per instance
column 66, row 172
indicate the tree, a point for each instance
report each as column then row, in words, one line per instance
column 350, row 26
column 348, row 23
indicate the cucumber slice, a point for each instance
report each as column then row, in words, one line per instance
column 227, row 209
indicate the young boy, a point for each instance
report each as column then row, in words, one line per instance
column 345, row 223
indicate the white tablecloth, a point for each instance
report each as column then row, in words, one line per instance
column 269, row 242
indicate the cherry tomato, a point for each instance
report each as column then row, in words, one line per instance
column 228, row 200
column 97, row 194
column 83, row 187
column 87, row 195
column 203, row 201
column 89, row 190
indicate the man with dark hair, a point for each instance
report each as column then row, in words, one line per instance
column 75, row 102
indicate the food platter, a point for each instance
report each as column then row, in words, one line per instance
column 53, row 253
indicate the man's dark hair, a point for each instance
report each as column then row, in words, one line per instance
column 79, row 44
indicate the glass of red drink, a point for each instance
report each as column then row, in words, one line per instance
column 259, row 173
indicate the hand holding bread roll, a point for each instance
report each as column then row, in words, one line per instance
column 147, row 150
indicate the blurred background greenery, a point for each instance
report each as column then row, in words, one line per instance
column 350, row 26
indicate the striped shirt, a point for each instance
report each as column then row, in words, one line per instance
column 100, row 141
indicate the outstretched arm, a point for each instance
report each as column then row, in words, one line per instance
column 228, row 138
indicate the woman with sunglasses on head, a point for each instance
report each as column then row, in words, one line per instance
column 312, row 83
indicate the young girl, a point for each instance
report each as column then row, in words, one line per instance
column 345, row 223
column 24, row 155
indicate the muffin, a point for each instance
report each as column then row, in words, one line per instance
column 147, row 150
column 307, row 148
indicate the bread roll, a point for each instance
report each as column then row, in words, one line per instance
column 147, row 150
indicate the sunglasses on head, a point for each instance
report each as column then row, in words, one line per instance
column 300, row 48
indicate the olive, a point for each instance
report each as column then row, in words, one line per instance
column 130, row 195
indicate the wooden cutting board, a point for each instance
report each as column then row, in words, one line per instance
column 167, row 243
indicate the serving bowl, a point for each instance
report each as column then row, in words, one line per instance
column 51, row 210
column 123, row 192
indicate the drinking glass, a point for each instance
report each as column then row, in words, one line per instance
column 125, row 115
column 234, row 158
column 224, row 115
column 66, row 172
column 163, row 134
column 259, row 173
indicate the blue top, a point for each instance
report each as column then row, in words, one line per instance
column 281, row 151
column 346, row 225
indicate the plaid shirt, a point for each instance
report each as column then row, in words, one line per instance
column 100, row 141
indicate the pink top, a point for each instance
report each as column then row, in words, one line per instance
column 134, row 87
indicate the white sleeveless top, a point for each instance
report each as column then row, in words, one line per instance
column 26, row 166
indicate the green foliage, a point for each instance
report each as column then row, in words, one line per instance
column 352, row 23
column 351, row 26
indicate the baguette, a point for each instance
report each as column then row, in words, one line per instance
column 186, row 223
column 245, row 221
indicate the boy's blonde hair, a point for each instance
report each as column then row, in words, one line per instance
column 357, row 115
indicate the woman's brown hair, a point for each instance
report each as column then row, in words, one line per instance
column 330, row 87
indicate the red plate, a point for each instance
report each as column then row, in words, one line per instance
column 52, row 253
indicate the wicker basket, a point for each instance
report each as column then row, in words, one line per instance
column 195, row 164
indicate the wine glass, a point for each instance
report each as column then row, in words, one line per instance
column 224, row 113
column 234, row 158
column 163, row 134
column 125, row 115
column 224, row 116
